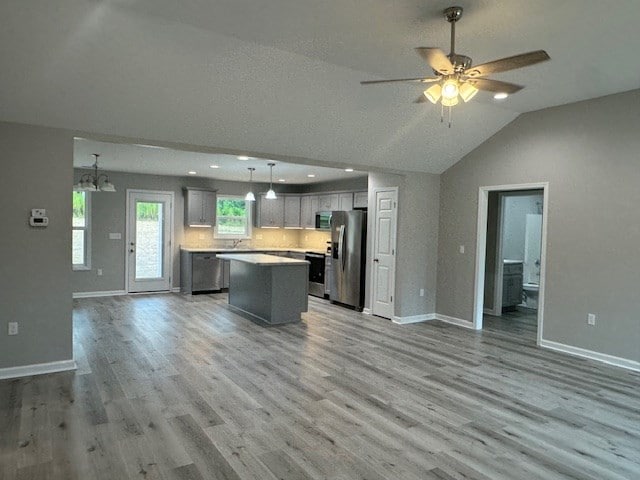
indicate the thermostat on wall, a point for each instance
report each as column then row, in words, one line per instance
column 38, row 217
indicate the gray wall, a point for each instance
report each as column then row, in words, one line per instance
column 417, row 240
column 108, row 215
column 35, row 285
column 346, row 184
column 588, row 152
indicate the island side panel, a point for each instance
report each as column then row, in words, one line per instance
column 250, row 289
column 290, row 292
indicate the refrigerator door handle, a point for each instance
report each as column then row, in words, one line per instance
column 341, row 256
column 344, row 247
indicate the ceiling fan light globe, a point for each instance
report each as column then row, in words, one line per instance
column 467, row 91
column 433, row 93
column 108, row 187
column 449, row 102
column 450, row 89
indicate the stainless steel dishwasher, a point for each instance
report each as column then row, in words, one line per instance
column 207, row 272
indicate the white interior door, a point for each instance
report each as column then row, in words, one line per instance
column 384, row 250
column 149, row 227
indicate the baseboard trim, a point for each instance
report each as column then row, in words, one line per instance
column 455, row 321
column 366, row 311
column 175, row 290
column 592, row 355
column 37, row 369
column 111, row 293
column 414, row 318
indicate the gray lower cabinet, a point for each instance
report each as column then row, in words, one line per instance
column 225, row 276
column 200, row 272
column 511, row 285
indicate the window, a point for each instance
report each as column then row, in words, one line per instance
column 233, row 217
column 81, row 233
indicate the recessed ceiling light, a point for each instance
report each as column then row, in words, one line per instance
column 243, row 157
column 192, row 172
column 281, row 180
column 311, row 175
column 348, row 169
column 214, row 166
column 500, row 96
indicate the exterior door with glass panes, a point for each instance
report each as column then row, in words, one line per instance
column 148, row 244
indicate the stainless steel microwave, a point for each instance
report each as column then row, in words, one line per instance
column 323, row 220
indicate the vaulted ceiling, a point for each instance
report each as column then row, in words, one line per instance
column 280, row 78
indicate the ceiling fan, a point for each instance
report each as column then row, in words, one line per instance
column 456, row 77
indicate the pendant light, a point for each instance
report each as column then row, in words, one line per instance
column 250, row 197
column 271, row 195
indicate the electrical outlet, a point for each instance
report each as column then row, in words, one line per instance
column 591, row 319
column 99, row 272
column 13, row 328
column 461, row 248
column 422, row 292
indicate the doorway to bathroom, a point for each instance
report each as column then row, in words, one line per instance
column 510, row 260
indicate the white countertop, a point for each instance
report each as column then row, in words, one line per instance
column 249, row 250
column 261, row 259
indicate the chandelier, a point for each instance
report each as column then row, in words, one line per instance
column 94, row 182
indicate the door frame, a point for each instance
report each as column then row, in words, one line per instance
column 127, row 233
column 481, row 249
column 371, row 256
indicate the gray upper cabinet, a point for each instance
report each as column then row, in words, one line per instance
column 292, row 212
column 345, row 201
column 360, row 199
column 270, row 213
column 308, row 209
column 199, row 207
column 329, row 202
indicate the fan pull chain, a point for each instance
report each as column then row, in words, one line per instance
column 441, row 113
column 449, row 117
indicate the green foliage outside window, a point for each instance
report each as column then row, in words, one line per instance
column 232, row 217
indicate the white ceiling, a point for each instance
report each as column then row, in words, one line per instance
column 166, row 161
column 281, row 78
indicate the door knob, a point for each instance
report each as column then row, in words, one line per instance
column 376, row 260
column 131, row 250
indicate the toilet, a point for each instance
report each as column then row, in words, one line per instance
column 531, row 294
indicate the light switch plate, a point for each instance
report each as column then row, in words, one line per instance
column 461, row 248
column 38, row 212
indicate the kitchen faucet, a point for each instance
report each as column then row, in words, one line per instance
column 236, row 242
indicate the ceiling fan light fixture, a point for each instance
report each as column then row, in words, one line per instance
column 450, row 89
column 467, row 91
column 433, row 93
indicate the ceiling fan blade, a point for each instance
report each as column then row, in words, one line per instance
column 494, row 85
column 509, row 63
column 417, row 80
column 436, row 59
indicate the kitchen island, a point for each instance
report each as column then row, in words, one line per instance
column 271, row 288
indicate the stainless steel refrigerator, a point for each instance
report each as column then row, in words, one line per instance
column 348, row 246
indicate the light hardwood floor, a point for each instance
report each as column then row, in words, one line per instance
column 181, row 387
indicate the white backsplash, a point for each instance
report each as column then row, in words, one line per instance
column 261, row 238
